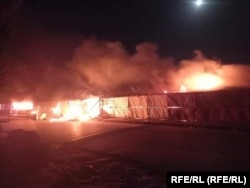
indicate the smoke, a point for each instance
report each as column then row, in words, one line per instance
column 107, row 68
column 44, row 67
column 36, row 66
column 236, row 75
column 190, row 71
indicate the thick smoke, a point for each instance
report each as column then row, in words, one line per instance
column 106, row 68
column 188, row 71
column 231, row 75
column 46, row 67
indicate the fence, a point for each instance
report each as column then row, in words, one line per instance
column 214, row 106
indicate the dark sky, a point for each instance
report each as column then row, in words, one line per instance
column 219, row 28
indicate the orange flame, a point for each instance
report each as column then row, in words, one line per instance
column 25, row 105
column 183, row 88
column 203, row 82
column 78, row 110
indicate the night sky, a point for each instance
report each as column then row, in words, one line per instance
column 219, row 28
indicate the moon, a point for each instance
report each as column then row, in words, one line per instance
column 198, row 3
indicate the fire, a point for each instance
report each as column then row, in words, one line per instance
column 93, row 108
column 208, row 82
column 183, row 88
column 74, row 111
column 25, row 105
column 81, row 110
column 205, row 81
column 57, row 110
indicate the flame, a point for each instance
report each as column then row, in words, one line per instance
column 74, row 111
column 93, row 107
column 25, row 105
column 57, row 110
column 183, row 88
column 204, row 82
column 78, row 110
column 208, row 82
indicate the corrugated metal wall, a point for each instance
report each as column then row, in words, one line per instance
column 214, row 106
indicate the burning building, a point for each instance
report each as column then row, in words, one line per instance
column 222, row 106
column 190, row 90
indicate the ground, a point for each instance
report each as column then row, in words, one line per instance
column 105, row 154
column 81, row 168
column 29, row 161
column 60, row 166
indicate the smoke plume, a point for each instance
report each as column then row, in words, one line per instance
column 189, row 71
column 42, row 66
column 107, row 68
